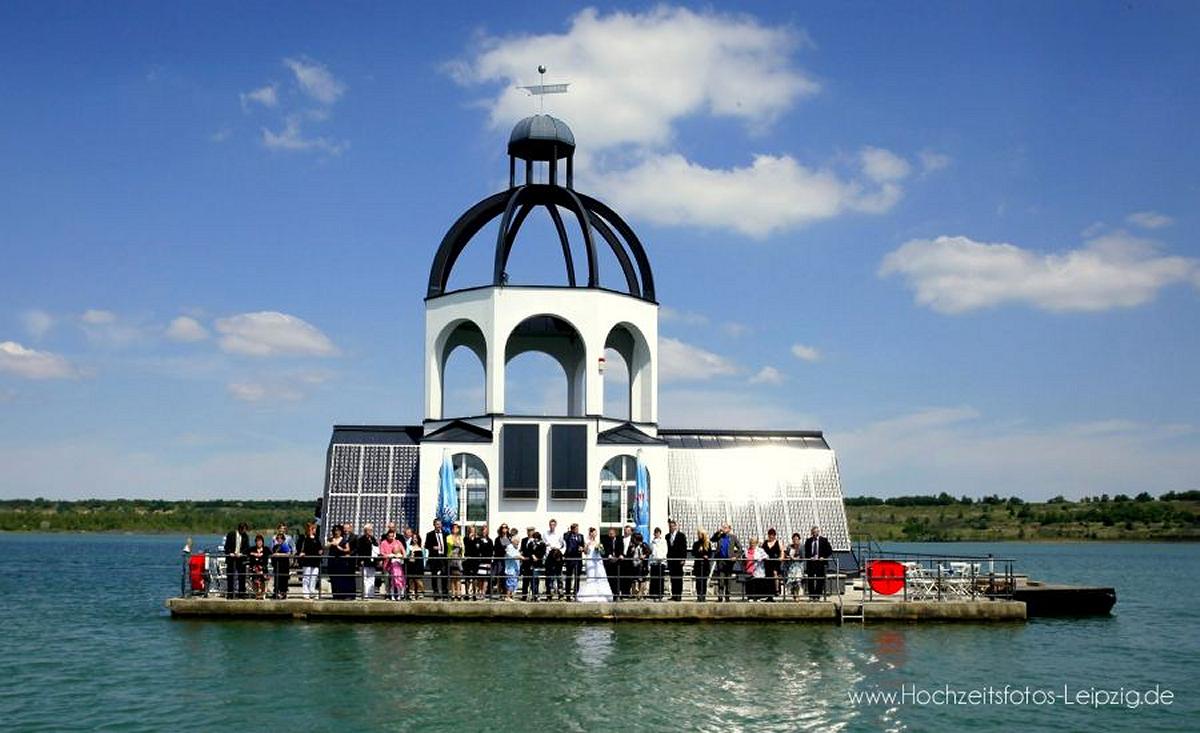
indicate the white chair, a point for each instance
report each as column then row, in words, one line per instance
column 920, row 581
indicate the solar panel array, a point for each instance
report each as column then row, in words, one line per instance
column 372, row 483
column 789, row 490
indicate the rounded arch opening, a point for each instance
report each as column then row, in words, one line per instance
column 458, row 375
column 616, row 385
column 533, row 349
column 464, row 384
column 627, row 341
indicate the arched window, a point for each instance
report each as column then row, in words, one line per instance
column 616, row 385
column 559, row 347
column 618, row 490
column 471, row 475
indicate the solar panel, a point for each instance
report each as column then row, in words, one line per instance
column 372, row 483
column 757, row 485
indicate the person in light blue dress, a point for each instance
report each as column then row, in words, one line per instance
column 512, row 565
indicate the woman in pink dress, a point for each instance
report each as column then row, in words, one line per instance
column 393, row 552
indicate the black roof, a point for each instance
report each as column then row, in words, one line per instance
column 627, row 434
column 541, row 137
column 459, row 431
column 715, row 438
column 377, row 434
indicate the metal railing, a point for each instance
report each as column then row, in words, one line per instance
column 925, row 577
column 939, row 577
column 717, row 579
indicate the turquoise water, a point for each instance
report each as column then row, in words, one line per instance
column 88, row 646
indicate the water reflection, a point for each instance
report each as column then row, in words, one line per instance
column 594, row 645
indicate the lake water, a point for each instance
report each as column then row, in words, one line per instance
column 88, row 645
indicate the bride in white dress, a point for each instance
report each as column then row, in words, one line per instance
column 594, row 588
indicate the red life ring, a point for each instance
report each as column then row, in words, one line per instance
column 886, row 577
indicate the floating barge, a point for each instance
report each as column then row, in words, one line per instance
column 603, row 470
column 548, row 611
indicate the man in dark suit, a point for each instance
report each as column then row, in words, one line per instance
column 677, row 550
column 609, row 544
column 237, row 545
column 573, row 544
column 526, row 566
column 816, row 550
column 624, row 548
column 435, row 568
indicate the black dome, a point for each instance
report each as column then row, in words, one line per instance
column 541, row 137
column 536, row 139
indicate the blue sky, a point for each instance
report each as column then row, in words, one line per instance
column 958, row 238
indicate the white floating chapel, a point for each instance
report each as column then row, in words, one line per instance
column 578, row 466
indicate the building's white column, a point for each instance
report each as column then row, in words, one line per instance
column 494, row 376
column 433, row 378
column 593, row 380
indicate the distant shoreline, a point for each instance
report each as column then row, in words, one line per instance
column 898, row 519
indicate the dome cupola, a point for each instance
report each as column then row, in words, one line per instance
column 541, row 141
column 541, row 137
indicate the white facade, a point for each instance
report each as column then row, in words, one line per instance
column 488, row 322
column 484, row 320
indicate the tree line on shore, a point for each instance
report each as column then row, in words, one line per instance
column 1172, row 515
column 148, row 515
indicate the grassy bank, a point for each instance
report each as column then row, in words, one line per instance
column 913, row 518
column 928, row 519
column 137, row 515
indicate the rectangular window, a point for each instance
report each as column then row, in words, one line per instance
column 477, row 502
column 519, row 446
column 568, row 461
column 610, row 502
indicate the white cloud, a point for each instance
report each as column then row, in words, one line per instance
column 316, row 83
column 258, row 392
column 957, row 274
column 269, row 333
column 881, row 165
column 667, row 314
column 735, row 329
column 634, row 75
column 34, row 364
column 37, row 323
column 267, row 96
column 105, row 328
column 679, row 362
column 185, row 328
column 806, row 353
column 767, row 375
column 932, row 162
column 97, row 317
column 1149, row 219
column 958, row 450
column 315, row 80
column 773, row 193
column 291, row 138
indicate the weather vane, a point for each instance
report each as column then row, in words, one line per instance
column 541, row 90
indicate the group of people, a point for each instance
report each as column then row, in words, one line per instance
column 448, row 564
